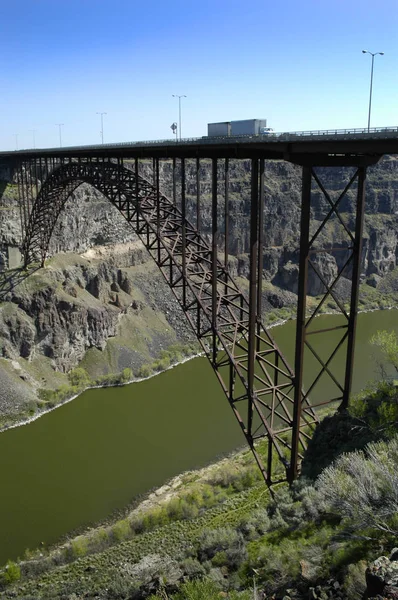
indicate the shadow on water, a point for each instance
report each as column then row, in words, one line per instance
column 10, row 279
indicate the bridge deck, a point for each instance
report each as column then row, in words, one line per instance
column 283, row 146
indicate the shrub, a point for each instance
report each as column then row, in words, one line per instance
column 280, row 563
column 224, row 477
column 79, row 547
column 126, row 375
column 121, row 530
column 255, row 524
column 354, row 582
column 192, row 568
column 79, row 377
column 223, row 539
column 145, row 371
column 387, row 341
column 201, row 589
column 99, row 540
column 364, row 489
column 11, row 573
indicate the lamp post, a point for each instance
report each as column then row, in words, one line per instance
column 102, row 125
column 33, row 131
column 179, row 109
column 60, row 136
column 373, row 54
column 16, row 141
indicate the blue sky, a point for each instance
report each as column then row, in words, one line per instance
column 297, row 63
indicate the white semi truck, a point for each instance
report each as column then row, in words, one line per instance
column 233, row 128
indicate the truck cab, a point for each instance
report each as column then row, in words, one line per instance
column 266, row 131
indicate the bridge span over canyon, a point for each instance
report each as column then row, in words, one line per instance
column 265, row 393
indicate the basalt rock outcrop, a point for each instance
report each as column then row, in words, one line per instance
column 68, row 308
column 382, row 578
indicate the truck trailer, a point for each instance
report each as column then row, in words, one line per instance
column 217, row 129
column 232, row 128
column 248, row 127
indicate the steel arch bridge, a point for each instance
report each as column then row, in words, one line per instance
column 267, row 397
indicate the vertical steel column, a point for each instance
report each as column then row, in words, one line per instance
column 136, row 194
column 22, row 209
column 36, row 178
column 198, row 194
column 154, row 172
column 214, row 227
column 260, row 253
column 25, row 184
column 174, row 181
column 157, row 206
column 356, row 271
column 183, row 232
column 226, row 218
column 252, row 291
column 300, row 326
column 198, row 319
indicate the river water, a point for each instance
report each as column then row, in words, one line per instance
column 77, row 464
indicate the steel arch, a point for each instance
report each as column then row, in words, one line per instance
column 252, row 371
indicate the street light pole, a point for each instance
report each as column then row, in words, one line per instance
column 179, row 109
column 102, row 125
column 60, row 136
column 16, row 141
column 373, row 54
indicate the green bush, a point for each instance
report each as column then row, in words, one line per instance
column 145, row 371
column 192, row 568
column 121, row 530
column 223, row 539
column 354, row 581
column 126, row 375
column 79, row 547
column 363, row 488
column 11, row 573
column 200, row 589
column 79, row 377
column 99, row 540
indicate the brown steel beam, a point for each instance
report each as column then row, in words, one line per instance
column 226, row 215
column 260, row 250
column 183, row 231
column 198, row 194
column 214, row 232
column 356, row 271
column 252, row 291
column 300, row 325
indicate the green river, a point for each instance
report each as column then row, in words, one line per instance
column 77, row 464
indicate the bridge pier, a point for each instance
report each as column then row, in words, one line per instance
column 310, row 231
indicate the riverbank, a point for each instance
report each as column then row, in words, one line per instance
column 45, row 410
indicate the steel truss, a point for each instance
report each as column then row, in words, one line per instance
column 252, row 371
column 267, row 399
